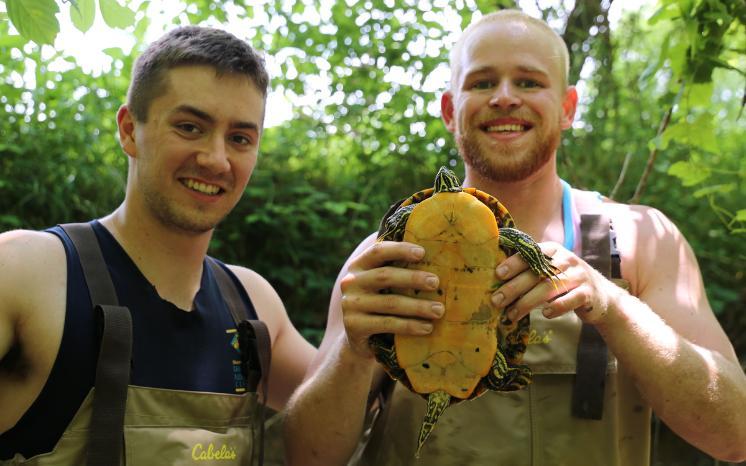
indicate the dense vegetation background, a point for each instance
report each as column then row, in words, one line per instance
column 660, row 123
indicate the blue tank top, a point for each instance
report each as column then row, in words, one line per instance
column 171, row 348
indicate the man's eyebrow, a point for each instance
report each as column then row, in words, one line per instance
column 521, row 68
column 532, row 69
column 202, row 115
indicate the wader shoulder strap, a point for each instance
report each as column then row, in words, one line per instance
column 254, row 342
column 106, row 433
column 595, row 228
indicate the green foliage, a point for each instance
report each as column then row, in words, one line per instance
column 704, row 50
column 36, row 20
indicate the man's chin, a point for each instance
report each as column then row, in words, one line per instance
column 503, row 166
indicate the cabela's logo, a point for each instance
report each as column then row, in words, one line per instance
column 535, row 338
column 200, row 453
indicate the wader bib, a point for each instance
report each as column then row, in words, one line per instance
column 122, row 424
column 580, row 409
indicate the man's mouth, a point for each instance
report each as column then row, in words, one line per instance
column 506, row 128
column 204, row 188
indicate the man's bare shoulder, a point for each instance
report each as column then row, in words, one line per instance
column 647, row 241
column 33, row 277
column 28, row 258
column 266, row 301
column 640, row 220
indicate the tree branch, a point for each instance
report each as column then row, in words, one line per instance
column 654, row 152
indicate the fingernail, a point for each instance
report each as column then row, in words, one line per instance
column 438, row 310
column 498, row 298
column 502, row 271
column 547, row 311
column 511, row 313
column 418, row 253
column 432, row 282
column 425, row 328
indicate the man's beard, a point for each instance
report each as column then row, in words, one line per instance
column 499, row 164
column 180, row 217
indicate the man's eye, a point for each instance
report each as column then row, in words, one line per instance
column 241, row 139
column 188, row 128
column 484, row 84
column 528, row 83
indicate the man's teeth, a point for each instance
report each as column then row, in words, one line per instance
column 505, row 128
column 201, row 187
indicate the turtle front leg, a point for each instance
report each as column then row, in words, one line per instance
column 437, row 402
column 382, row 345
column 524, row 245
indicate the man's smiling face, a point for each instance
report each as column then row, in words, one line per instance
column 509, row 106
column 192, row 158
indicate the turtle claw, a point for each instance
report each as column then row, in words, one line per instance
column 437, row 402
column 541, row 264
column 507, row 378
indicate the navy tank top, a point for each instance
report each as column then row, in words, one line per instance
column 171, row 348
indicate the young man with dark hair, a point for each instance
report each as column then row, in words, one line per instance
column 120, row 337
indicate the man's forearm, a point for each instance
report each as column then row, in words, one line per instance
column 325, row 417
column 694, row 390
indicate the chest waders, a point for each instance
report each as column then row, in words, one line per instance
column 581, row 409
column 121, row 424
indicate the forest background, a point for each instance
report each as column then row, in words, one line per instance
column 660, row 122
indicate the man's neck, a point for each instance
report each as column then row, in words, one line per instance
column 535, row 203
column 169, row 259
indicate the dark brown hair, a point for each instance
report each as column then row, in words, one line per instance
column 191, row 45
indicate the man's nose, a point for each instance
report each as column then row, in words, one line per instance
column 214, row 155
column 505, row 96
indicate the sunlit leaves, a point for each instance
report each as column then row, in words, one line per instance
column 115, row 15
column 690, row 173
column 35, row 19
column 82, row 14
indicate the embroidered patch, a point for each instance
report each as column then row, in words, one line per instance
column 239, row 382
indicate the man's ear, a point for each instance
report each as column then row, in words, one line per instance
column 569, row 105
column 447, row 111
column 126, row 124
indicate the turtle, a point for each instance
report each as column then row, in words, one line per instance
column 473, row 347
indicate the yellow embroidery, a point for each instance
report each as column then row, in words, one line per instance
column 535, row 339
column 199, row 453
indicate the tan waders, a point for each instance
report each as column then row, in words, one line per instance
column 580, row 410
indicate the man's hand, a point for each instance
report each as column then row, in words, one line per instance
column 367, row 311
column 579, row 287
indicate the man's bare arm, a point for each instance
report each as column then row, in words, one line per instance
column 291, row 353
column 325, row 416
column 668, row 339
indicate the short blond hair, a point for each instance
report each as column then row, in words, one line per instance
column 506, row 16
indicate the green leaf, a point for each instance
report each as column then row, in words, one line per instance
column 740, row 216
column 715, row 189
column 12, row 41
column 116, row 15
column 663, row 13
column 115, row 52
column 82, row 14
column 689, row 172
column 35, row 19
column 141, row 28
column 700, row 94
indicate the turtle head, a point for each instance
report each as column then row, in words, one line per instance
column 446, row 181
